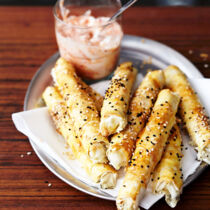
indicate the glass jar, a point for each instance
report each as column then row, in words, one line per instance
column 86, row 37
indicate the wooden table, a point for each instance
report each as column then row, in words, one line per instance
column 26, row 41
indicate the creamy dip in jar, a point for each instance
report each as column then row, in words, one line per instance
column 91, row 43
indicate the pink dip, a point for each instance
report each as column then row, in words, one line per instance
column 92, row 48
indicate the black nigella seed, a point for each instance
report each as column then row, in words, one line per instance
column 139, row 114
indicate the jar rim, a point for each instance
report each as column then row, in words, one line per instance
column 81, row 27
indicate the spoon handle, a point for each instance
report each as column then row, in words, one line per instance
column 122, row 9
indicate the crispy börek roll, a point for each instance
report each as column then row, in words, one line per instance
column 149, row 149
column 83, row 111
column 116, row 102
column 122, row 144
column 192, row 112
column 97, row 98
column 167, row 177
column 99, row 172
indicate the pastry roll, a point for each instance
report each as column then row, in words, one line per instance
column 149, row 148
column 83, row 112
column 99, row 172
column 122, row 144
column 192, row 112
column 116, row 102
column 97, row 98
column 167, row 177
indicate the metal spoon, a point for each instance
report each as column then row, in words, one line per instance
column 122, row 9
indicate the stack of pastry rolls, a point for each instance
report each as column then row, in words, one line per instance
column 99, row 172
column 82, row 109
column 122, row 144
column 149, row 149
column 137, row 132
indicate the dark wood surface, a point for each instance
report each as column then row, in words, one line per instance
column 26, row 41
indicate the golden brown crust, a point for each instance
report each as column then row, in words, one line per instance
column 97, row 98
column 82, row 110
column 64, row 125
column 116, row 102
column 191, row 110
column 123, row 143
column 149, row 148
column 167, row 177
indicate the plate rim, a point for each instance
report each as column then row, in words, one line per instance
column 194, row 69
